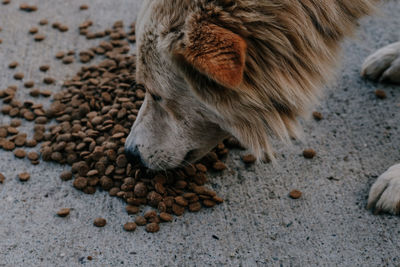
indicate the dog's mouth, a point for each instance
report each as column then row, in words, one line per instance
column 192, row 156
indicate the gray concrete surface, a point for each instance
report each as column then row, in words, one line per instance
column 258, row 225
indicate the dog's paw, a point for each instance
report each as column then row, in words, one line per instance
column 383, row 65
column 385, row 193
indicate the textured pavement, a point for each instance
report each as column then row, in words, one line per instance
column 258, row 225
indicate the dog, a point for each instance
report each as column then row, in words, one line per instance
column 246, row 68
column 384, row 66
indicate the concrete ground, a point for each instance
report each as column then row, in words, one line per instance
column 258, row 225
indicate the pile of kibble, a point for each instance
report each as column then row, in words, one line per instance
column 93, row 114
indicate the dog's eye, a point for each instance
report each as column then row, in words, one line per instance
column 156, row 97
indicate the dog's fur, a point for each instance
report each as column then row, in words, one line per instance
column 384, row 65
column 247, row 68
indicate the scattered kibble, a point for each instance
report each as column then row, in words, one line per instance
column 130, row 226
column 295, row 194
column 100, row 222
column 64, row 212
column 309, row 153
column 23, row 177
column 380, row 94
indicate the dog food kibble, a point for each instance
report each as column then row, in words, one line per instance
column 130, row 226
column 141, row 221
column 43, row 22
column 20, row 153
column 166, row 217
column 380, row 94
column 13, row 65
column 295, row 194
column 317, row 115
column 100, row 222
column 2, row 178
column 39, row 37
column 68, row 60
column 83, row 7
column 219, row 166
column 28, row 8
column 19, row 76
column 48, row 80
column 29, row 84
column 33, row 30
column 66, row 175
column 60, row 55
column 6, row 2
column 249, row 159
column 44, row 68
column 132, row 209
column 152, row 227
column 309, row 153
column 63, row 212
column 23, row 177
column 79, row 183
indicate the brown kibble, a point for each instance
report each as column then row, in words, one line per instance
column 80, row 183
column 20, row 153
column 43, row 22
column 208, row 203
column 63, row 28
column 8, row 145
column 33, row 156
column 249, row 159
column 195, row 207
column 99, row 222
column 181, row 201
column 33, row 30
column 48, row 80
column 23, row 177
column 39, row 37
column 380, row 94
column 317, row 115
column 29, row 84
column 13, row 65
column 60, row 55
column 18, row 76
column 140, row 220
column 64, row 212
column 166, row 217
column 219, row 166
column 130, row 226
column 83, row 7
column 178, row 210
column 44, row 68
column 28, row 8
column 2, row 178
column 66, row 175
column 132, row 209
column 295, row 194
column 140, row 190
column 309, row 153
column 152, row 227
column 6, row 2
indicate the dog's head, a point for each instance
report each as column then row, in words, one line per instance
column 215, row 68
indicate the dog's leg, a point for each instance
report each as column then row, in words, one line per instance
column 385, row 193
column 383, row 65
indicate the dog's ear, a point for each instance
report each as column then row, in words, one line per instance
column 216, row 52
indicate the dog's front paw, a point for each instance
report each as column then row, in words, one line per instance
column 385, row 193
column 383, row 65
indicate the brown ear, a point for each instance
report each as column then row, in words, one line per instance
column 216, row 52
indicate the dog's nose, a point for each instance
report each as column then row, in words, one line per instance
column 133, row 154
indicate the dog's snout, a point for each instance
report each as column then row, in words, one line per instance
column 133, row 154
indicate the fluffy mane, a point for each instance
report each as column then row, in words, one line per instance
column 292, row 48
